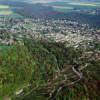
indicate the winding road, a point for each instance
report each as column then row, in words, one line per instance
column 61, row 86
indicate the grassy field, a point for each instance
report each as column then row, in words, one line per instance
column 4, row 7
column 63, row 8
column 5, row 10
column 69, row 6
column 84, row 4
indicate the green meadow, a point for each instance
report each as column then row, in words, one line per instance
column 5, row 10
column 4, row 7
column 84, row 4
column 63, row 8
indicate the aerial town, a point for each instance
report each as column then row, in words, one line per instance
column 50, row 49
column 70, row 32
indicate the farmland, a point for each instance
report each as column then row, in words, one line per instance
column 4, row 7
column 5, row 10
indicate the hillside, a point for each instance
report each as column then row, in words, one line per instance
column 41, row 68
column 46, row 11
column 49, row 50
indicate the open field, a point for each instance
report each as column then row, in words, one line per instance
column 63, row 8
column 4, row 12
column 84, row 4
column 4, row 7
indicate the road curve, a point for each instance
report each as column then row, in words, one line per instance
column 79, row 74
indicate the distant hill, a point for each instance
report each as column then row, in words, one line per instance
column 47, row 12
